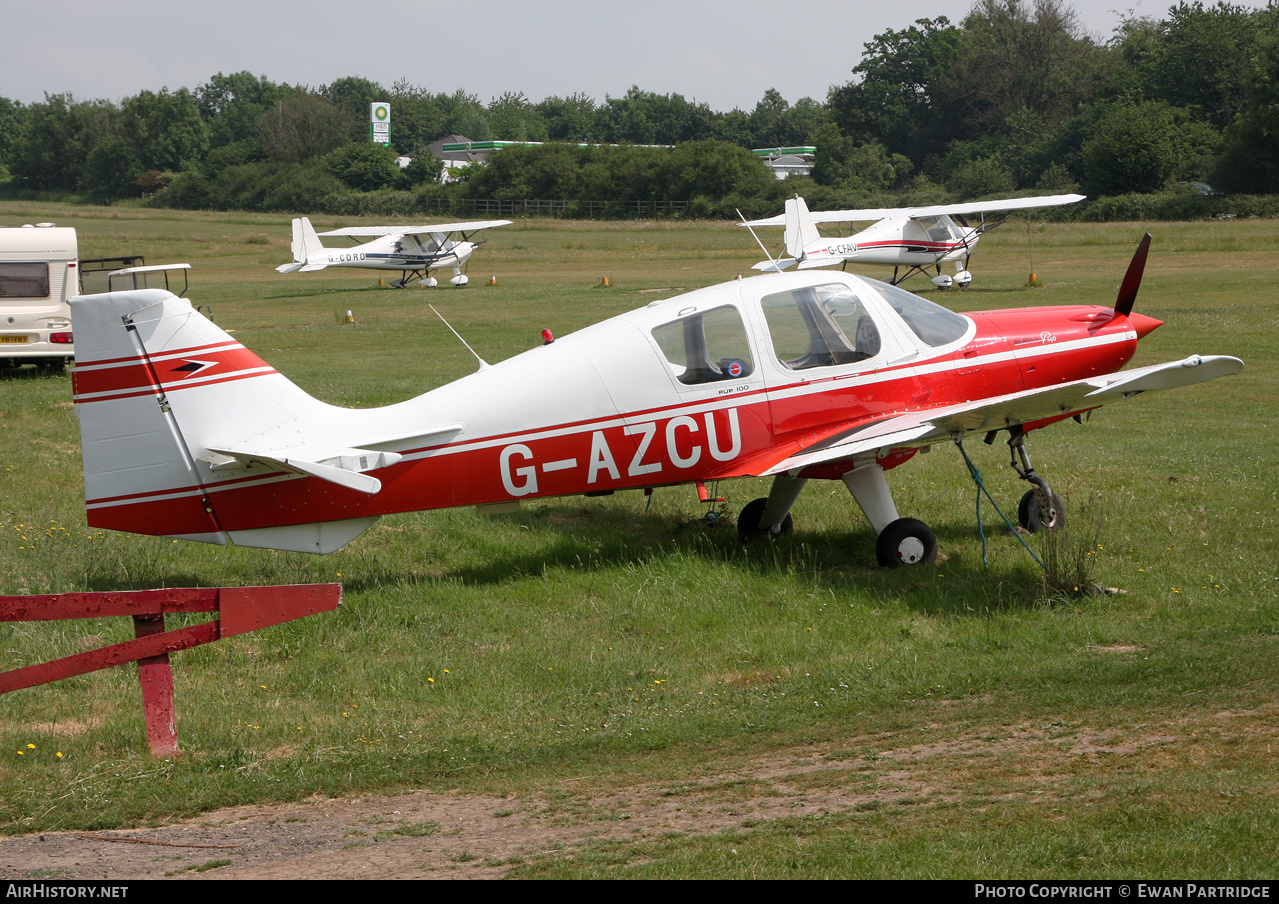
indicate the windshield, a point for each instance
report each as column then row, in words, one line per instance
column 934, row 325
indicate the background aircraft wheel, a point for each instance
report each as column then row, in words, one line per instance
column 748, row 521
column 1039, row 511
column 906, row 541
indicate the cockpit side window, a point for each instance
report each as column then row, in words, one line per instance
column 934, row 325
column 820, row 326
column 707, row 346
column 934, row 229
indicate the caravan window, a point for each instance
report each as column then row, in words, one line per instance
column 24, row 280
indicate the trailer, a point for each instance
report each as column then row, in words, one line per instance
column 38, row 274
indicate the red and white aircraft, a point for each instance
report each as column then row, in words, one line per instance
column 416, row 251
column 917, row 238
column 188, row 434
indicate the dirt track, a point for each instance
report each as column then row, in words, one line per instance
column 444, row 835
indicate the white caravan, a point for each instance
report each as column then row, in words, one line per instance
column 37, row 276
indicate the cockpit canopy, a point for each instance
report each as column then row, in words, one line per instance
column 810, row 324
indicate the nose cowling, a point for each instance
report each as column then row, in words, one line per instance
column 1144, row 325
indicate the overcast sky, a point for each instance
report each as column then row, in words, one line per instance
column 725, row 54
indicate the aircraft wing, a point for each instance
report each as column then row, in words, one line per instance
column 376, row 231
column 884, row 213
column 923, row 428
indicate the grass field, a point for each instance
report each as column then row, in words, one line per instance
column 995, row 728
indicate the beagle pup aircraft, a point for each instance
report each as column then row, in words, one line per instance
column 917, row 238
column 416, row 251
column 798, row 376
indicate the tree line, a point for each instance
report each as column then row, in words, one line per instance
column 1015, row 98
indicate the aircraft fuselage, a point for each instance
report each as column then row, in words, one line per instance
column 898, row 242
column 717, row 383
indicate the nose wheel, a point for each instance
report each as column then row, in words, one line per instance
column 1040, row 508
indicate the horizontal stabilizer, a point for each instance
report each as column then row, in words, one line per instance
column 924, row 428
column 312, row 267
column 289, row 268
column 343, row 467
column 776, row 266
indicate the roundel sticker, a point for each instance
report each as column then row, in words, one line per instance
column 735, row 368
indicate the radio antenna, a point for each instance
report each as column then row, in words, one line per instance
column 484, row 365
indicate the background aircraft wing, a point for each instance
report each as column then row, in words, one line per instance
column 884, row 213
column 376, row 231
column 923, row 428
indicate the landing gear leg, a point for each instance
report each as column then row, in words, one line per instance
column 902, row 541
column 771, row 516
column 1040, row 508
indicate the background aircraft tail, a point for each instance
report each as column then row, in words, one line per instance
column 307, row 249
column 801, row 231
column 186, row 433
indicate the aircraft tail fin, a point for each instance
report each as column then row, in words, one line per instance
column 306, row 247
column 801, row 231
column 186, row 433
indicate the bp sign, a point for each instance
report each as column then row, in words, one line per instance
column 380, row 123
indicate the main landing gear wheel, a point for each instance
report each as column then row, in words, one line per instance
column 748, row 521
column 906, row 541
column 1041, row 511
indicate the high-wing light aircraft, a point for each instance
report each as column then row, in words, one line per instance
column 416, row 251
column 798, row 376
column 917, row 238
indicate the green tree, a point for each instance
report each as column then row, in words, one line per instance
column 1016, row 55
column 894, row 96
column 417, row 119
column 304, row 127
column 572, row 118
column 1250, row 159
column 1197, row 58
column 512, row 118
column 12, row 121
column 165, row 129
column 233, row 104
column 365, row 166
column 424, row 169
column 465, row 115
column 643, row 117
column 857, row 167
column 52, row 150
column 1140, row 147
column 355, row 95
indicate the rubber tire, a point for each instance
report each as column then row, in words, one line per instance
column 906, row 541
column 1031, row 516
column 748, row 521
